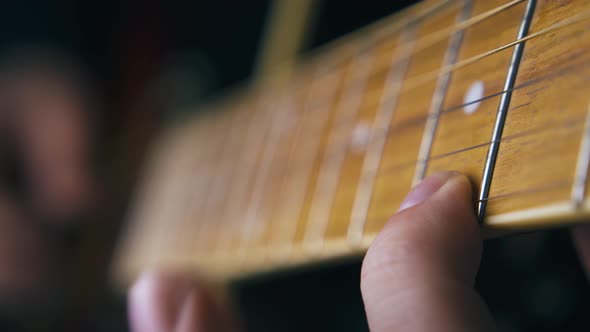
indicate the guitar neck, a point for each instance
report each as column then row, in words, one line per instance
column 287, row 173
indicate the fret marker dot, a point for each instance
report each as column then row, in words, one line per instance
column 361, row 135
column 473, row 96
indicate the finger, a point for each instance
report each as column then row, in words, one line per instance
column 419, row 272
column 50, row 119
column 581, row 237
column 159, row 303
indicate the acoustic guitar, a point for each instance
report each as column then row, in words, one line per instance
column 307, row 170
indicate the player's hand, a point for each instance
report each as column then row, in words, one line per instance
column 419, row 272
column 45, row 177
column 417, row 276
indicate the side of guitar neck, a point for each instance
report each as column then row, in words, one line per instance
column 309, row 170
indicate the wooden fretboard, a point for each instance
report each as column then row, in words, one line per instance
column 288, row 173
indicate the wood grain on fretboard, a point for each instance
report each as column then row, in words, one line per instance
column 289, row 173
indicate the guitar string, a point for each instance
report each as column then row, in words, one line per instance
column 199, row 206
column 339, row 50
column 492, row 197
column 230, row 214
column 434, row 37
column 571, row 123
column 504, row 106
column 554, row 27
column 561, row 24
column 530, row 132
column 439, row 97
column 417, row 81
column 543, row 128
column 548, row 126
column 280, row 208
column 380, row 220
column 430, row 38
column 558, row 184
column 329, row 174
column 467, row 61
column 423, row 78
column 345, row 105
column 565, row 71
column 554, row 185
column 419, row 120
column 298, row 133
column 566, row 124
column 219, row 188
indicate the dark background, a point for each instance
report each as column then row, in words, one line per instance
column 190, row 51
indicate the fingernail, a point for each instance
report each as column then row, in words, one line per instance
column 426, row 188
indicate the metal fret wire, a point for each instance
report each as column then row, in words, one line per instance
column 225, row 178
column 517, row 42
column 369, row 177
column 417, row 121
column 520, row 41
column 329, row 175
column 433, row 38
column 490, row 163
column 546, row 126
column 572, row 20
column 374, row 151
column 250, row 226
column 287, row 237
column 385, row 130
column 438, row 36
column 581, row 174
column 254, row 138
column 219, row 184
column 438, row 98
column 417, row 81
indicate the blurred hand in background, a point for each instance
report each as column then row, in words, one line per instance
column 45, row 175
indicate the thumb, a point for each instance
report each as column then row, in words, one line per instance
column 419, row 272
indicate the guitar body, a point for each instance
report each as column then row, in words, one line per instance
column 306, row 170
